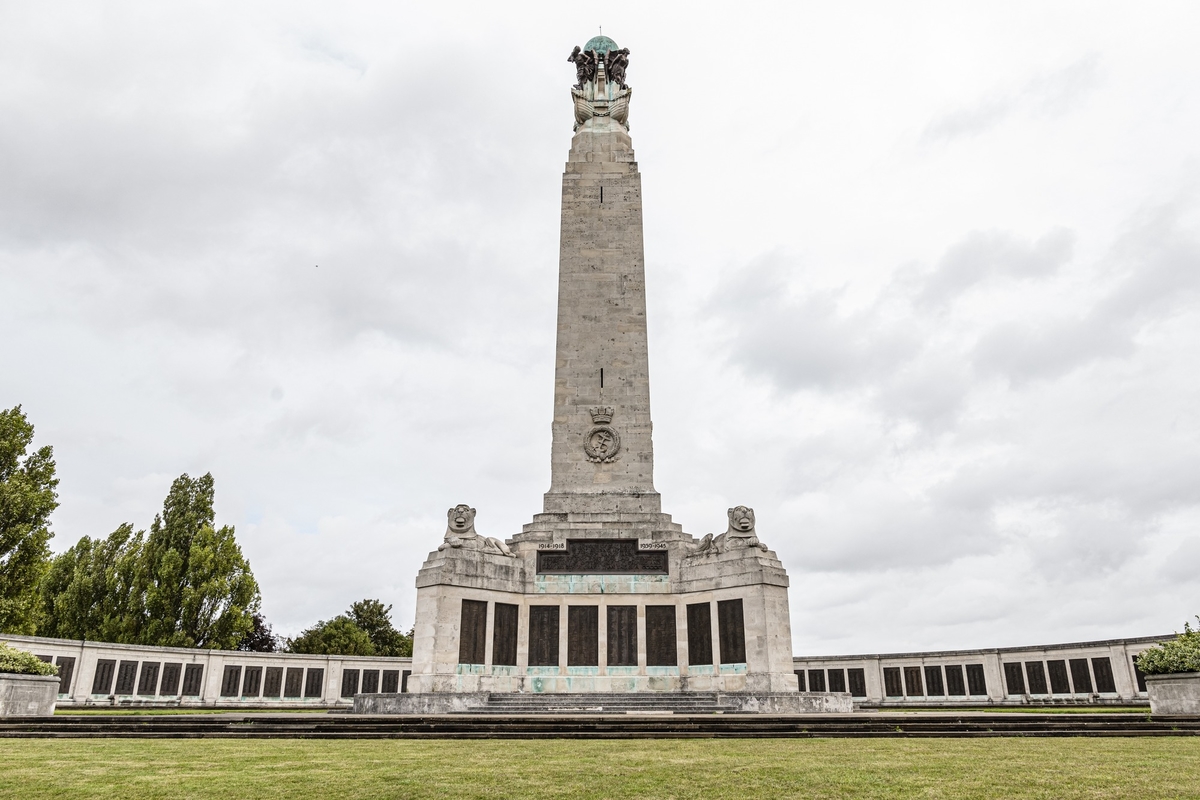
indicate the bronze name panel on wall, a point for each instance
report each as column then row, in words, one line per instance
column 504, row 635
column 660, row 637
column 602, row 557
column 622, row 636
column 699, row 632
column 583, row 636
column 472, row 632
column 543, row 636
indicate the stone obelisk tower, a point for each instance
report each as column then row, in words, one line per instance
column 601, row 377
column 602, row 592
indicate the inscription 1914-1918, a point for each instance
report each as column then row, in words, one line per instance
column 602, row 557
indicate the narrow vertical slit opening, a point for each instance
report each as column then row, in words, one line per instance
column 601, row 194
column 602, row 377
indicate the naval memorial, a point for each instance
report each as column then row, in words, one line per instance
column 602, row 592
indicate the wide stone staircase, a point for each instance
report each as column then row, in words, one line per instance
column 592, row 725
column 608, row 703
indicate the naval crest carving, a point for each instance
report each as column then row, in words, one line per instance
column 602, row 443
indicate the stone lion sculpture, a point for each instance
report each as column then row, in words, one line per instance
column 739, row 533
column 460, row 533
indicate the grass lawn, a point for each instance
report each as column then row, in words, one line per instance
column 655, row 768
column 161, row 712
column 1143, row 710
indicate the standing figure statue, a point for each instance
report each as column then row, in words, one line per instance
column 585, row 65
column 615, row 62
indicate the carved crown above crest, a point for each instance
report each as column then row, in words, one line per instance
column 601, row 416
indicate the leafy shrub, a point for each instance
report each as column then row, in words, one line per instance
column 22, row 663
column 1179, row 655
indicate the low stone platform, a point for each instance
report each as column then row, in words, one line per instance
column 604, row 703
column 599, row 726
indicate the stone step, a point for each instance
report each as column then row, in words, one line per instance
column 600, row 726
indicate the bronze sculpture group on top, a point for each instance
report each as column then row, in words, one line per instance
column 615, row 63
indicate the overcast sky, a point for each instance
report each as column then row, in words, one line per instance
column 924, row 289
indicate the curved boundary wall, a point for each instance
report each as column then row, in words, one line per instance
column 1078, row 673
column 103, row 675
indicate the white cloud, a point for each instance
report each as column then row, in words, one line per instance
column 922, row 290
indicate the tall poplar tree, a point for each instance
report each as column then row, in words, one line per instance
column 197, row 585
column 91, row 590
column 185, row 584
column 27, row 498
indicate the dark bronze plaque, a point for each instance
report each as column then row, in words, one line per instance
column 858, row 681
column 583, row 636
column 126, row 677
column 732, row 631
column 816, row 680
column 251, row 681
column 800, row 680
column 231, row 681
column 933, row 682
column 1037, row 677
column 193, row 675
column 102, row 682
column 1102, row 668
column 1141, row 676
column 404, row 679
column 912, row 682
column 1014, row 678
column 472, row 632
column 148, row 683
column 349, row 682
column 504, row 635
column 892, row 685
column 1059, row 684
column 976, row 682
column 391, row 681
column 837, row 680
column 66, row 669
column 543, row 636
column 622, row 636
column 661, row 647
column 293, row 682
column 314, row 682
column 699, row 632
column 170, row 680
column 1080, row 677
column 273, row 682
column 955, row 687
column 602, row 557
column 370, row 681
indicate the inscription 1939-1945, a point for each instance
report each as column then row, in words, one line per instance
column 602, row 557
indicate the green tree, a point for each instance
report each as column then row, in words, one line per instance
column 260, row 638
column 198, row 587
column 375, row 619
column 27, row 498
column 338, row 636
column 186, row 584
column 91, row 590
